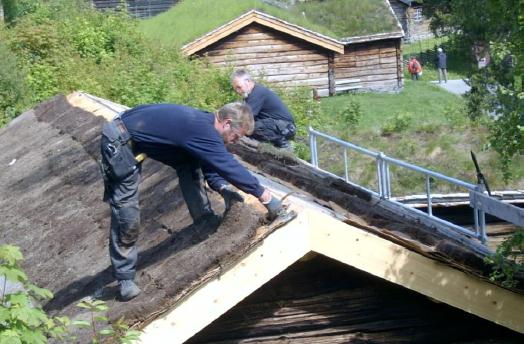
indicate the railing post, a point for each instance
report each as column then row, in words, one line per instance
column 481, row 232
column 428, row 195
column 387, row 179
column 313, row 147
column 379, row 176
column 346, row 165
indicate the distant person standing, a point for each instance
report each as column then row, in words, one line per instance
column 442, row 65
column 414, row 68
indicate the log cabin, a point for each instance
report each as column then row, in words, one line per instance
column 286, row 54
column 345, row 269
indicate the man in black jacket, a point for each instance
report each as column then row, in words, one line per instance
column 193, row 143
column 273, row 121
column 442, row 65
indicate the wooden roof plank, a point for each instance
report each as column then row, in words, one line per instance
column 261, row 18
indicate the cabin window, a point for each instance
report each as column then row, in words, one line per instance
column 417, row 14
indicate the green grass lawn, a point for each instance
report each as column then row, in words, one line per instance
column 423, row 125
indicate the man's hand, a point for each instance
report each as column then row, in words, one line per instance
column 230, row 197
column 274, row 208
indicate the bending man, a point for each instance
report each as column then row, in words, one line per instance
column 273, row 121
column 193, row 143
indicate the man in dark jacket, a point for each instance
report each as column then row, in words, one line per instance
column 442, row 65
column 273, row 121
column 193, row 143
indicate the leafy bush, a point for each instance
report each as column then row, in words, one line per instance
column 350, row 116
column 13, row 89
column 117, row 331
column 504, row 261
column 22, row 319
column 397, row 123
column 306, row 112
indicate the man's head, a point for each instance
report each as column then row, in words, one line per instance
column 233, row 121
column 242, row 82
column 439, row 50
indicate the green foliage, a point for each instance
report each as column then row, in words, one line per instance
column 496, row 90
column 348, row 18
column 306, row 112
column 22, row 320
column 351, row 113
column 504, row 261
column 398, row 123
column 15, row 9
column 118, row 331
column 13, row 89
column 189, row 20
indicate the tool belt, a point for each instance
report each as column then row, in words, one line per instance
column 118, row 160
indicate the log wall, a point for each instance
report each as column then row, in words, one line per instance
column 279, row 58
column 286, row 61
column 372, row 66
column 318, row 300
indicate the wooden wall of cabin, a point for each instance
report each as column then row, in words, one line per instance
column 371, row 66
column 319, row 300
column 281, row 59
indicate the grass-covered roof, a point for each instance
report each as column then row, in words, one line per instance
column 338, row 19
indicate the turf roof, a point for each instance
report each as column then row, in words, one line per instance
column 338, row 19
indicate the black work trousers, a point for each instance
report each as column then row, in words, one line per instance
column 278, row 132
column 123, row 198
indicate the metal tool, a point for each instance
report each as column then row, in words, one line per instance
column 480, row 176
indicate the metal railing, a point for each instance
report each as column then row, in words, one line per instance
column 384, row 182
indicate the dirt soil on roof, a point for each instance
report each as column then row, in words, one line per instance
column 52, row 208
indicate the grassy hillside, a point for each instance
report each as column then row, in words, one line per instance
column 191, row 19
column 424, row 125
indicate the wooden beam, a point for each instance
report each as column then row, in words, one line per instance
column 331, row 73
column 493, row 206
column 298, row 32
column 399, row 265
column 217, row 296
column 265, row 20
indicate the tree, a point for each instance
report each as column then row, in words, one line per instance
column 497, row 90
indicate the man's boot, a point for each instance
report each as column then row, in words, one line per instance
column 128, row 289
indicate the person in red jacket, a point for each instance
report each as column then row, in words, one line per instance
column 414, row 68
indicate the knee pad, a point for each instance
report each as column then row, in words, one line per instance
column 129, row 220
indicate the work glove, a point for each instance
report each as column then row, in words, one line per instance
column 230, row 196
column 274, row 208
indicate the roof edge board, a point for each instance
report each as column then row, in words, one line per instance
column 397, row 264
column 315, row 231
column 217, row 296
column 265, row 20
column 300, row 32
column 218, row 33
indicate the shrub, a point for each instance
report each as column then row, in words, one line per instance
column 505, row 260
column 13, row 89
column 22, row 319
column 397, row 123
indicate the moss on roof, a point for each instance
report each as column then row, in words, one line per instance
column 339, row 19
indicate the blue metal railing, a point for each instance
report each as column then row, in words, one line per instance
column 384, row 182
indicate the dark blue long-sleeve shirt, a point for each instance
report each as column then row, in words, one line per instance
column 175, row 134
column 442, row 60
column 265, row 103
